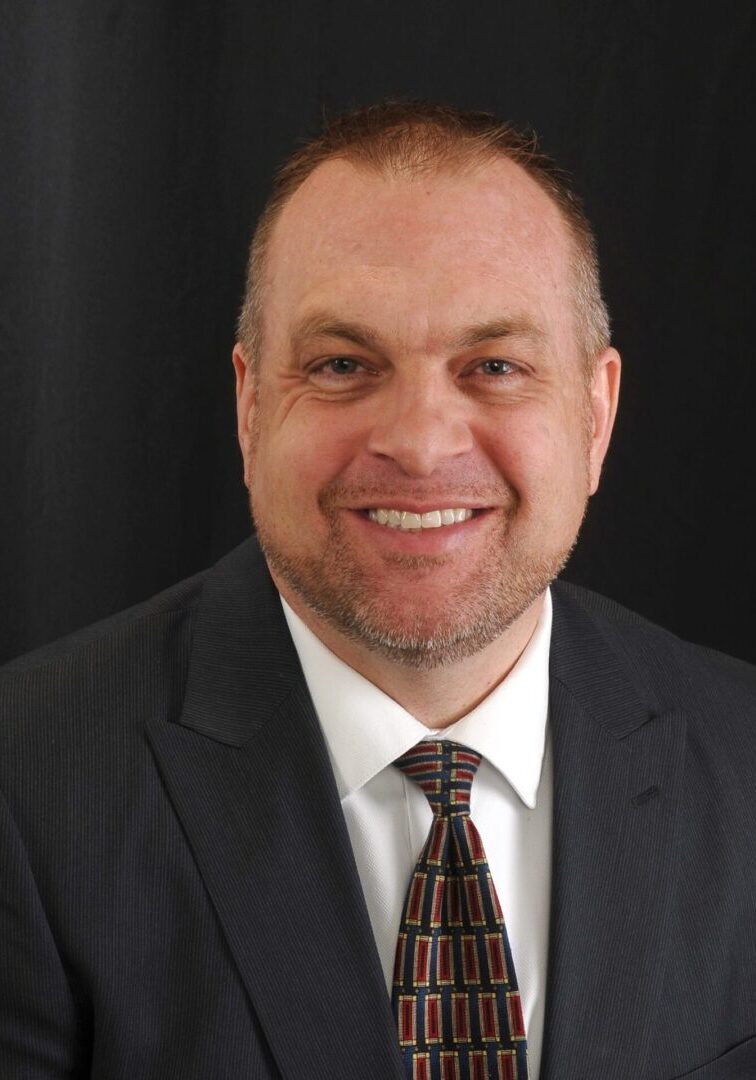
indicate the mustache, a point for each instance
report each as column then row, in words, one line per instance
column 338, row 494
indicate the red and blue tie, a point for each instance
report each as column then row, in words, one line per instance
column 455, row 994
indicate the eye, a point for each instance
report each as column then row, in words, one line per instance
column 341, row 365
column 496, row 366
column 338, row 366
column 341, row 374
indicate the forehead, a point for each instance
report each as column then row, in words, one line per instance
column 436, row 242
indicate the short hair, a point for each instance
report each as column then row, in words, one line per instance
column 416, row 137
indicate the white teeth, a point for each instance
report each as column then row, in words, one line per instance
column 431, row 520
column 411, row 521
column 408, row 521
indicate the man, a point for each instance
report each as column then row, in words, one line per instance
column 213, row 803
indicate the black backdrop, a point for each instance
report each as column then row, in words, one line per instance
column 136, row 144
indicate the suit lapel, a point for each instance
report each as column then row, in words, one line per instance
column 617, row 769
column 248, row 773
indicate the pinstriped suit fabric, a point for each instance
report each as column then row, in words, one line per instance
column 169, row 823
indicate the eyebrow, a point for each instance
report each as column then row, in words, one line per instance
column 507, row 327
column 323, row 324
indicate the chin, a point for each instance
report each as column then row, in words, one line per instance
column 424, row 615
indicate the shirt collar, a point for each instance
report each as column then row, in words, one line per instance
column 366, row 730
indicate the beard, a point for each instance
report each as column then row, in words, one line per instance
column 513, row 569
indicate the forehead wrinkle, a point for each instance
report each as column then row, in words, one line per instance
column 327, row 324
column 394, row 205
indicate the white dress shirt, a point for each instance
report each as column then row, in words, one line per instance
column 388, row 816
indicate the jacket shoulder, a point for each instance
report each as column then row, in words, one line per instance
column 120, row 668
column 129, row 624
column 674, row 672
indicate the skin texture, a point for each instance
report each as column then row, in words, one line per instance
column 420, row 352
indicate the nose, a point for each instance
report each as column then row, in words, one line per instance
column 420, row 426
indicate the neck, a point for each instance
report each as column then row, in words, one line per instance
column 441, row 695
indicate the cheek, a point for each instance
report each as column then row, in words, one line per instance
column 293, row 464
column 541, row 457
column 518, row 442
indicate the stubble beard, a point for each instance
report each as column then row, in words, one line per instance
column 509, row 577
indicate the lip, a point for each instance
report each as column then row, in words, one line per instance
column 441, row 541
column 413, row 507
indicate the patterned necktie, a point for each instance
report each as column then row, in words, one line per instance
column 455, row 994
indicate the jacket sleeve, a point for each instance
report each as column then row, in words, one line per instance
column 38, row 1018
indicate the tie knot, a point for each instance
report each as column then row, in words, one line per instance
column 445, row 771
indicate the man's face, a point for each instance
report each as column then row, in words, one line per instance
column 420, row 356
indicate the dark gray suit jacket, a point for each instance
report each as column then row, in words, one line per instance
column 178, row 896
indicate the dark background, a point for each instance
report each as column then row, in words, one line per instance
column 136, row 145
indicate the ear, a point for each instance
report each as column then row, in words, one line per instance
column 246, row 402
column 604, row 392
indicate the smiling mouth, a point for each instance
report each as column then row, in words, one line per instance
column 408, row 521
